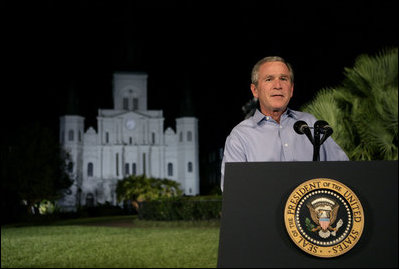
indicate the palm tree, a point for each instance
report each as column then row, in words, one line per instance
column 364, row 110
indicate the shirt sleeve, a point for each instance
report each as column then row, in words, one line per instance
column 233, row 152
column 332, row 151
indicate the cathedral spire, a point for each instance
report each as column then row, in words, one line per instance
column 187, row 108
column 72, row 107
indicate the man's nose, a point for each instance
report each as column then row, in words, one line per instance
column 277, row 85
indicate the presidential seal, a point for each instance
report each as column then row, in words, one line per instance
column 324, row 217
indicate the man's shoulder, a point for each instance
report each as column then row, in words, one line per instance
column 299, row 115
column 244, row 125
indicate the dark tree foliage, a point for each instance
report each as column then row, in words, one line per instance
column 32, row 169
column 363, row 110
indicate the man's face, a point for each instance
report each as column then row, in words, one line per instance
column 274, row 89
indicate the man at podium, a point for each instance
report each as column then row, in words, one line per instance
column 269, row 134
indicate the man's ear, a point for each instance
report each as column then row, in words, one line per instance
column 292, row 90
column 254, row 90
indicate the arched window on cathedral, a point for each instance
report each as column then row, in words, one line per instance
column 106, row 137
column 90, row 169
column 127, row 172
column 144, row 164
column 134, row 171
column 170, row 169
column 70, row 135
column 80, row 136
column 181, row 137
column 190, row 167
column 117, row 164
column 125, row 103
column 153, row 138
column 135, row 103
column 189, row 136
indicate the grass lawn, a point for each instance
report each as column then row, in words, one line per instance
column 77, row 243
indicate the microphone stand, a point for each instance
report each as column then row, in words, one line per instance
column 316, row 145
column 320, row 127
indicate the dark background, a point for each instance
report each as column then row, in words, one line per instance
column 61, row 55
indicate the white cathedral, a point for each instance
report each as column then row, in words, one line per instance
column 130, row 140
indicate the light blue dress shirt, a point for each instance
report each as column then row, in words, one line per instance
column 261, row 139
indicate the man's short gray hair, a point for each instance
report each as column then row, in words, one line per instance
column 255, row 69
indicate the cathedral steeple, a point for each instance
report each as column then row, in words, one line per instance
column 72, row 107
column 130, row 91
column 187, row 108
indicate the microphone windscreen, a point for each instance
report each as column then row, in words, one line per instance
column 299, row 125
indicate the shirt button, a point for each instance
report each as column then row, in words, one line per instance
column 285, row 145
column 267, row 118
column 281, row 126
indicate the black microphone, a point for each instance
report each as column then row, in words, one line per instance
column 324, row 128
column 301, row 128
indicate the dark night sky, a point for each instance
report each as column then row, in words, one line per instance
column 58, row 46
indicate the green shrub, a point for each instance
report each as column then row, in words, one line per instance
column 182, row 208
column 106, row 209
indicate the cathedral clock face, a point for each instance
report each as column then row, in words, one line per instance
column 130, row 124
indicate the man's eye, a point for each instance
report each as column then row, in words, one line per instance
column 268, row 79
column 284, row 78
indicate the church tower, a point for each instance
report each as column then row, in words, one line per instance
column 130, row 91
column 187, row 148
column 71, row 139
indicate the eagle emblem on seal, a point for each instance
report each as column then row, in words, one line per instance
column 323, row 212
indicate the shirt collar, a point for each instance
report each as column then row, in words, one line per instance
column 258, row 116
column 291, row 113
